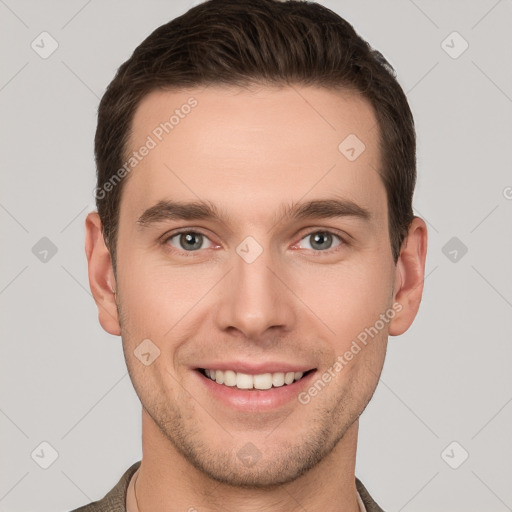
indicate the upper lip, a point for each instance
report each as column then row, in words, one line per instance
column 252, row 368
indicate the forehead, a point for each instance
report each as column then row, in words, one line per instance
column 250, row 149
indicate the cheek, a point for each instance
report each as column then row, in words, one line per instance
column 158, row 300
column 155, row 294
column 348, row 298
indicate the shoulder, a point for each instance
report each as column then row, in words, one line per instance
column 369, row 502
column 115, row 499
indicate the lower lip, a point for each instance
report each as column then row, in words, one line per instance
column 252, row 399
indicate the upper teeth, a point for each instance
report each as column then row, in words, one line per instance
column 261, row 381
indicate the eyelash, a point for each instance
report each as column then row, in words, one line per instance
column 166, row 239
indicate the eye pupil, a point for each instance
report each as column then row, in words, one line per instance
column 191, row 241
column 321, row 240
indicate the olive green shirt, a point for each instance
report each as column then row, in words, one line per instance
column 115, row 500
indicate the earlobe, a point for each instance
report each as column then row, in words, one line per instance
column 101, row 275
column 409, row 277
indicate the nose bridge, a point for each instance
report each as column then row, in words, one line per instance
column 253, row 299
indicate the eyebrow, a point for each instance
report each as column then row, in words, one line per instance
column 166, row 210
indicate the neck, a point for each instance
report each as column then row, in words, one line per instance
column 168, row 482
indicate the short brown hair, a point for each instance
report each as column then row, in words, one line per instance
column 269, row 42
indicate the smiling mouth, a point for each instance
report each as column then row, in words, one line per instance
column 248, row 382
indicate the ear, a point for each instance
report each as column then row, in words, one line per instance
column 101, row 275
column 409, row 277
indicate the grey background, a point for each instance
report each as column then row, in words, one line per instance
column 64, row 380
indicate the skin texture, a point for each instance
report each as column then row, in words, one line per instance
column 251, row 153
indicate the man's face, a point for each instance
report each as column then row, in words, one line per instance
column 294, row 295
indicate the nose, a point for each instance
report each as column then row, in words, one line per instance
column 254, row 299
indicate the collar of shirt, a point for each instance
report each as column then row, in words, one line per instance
column 131, row 503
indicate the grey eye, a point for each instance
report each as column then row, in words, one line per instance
column 188, row 241
column 320, row 240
